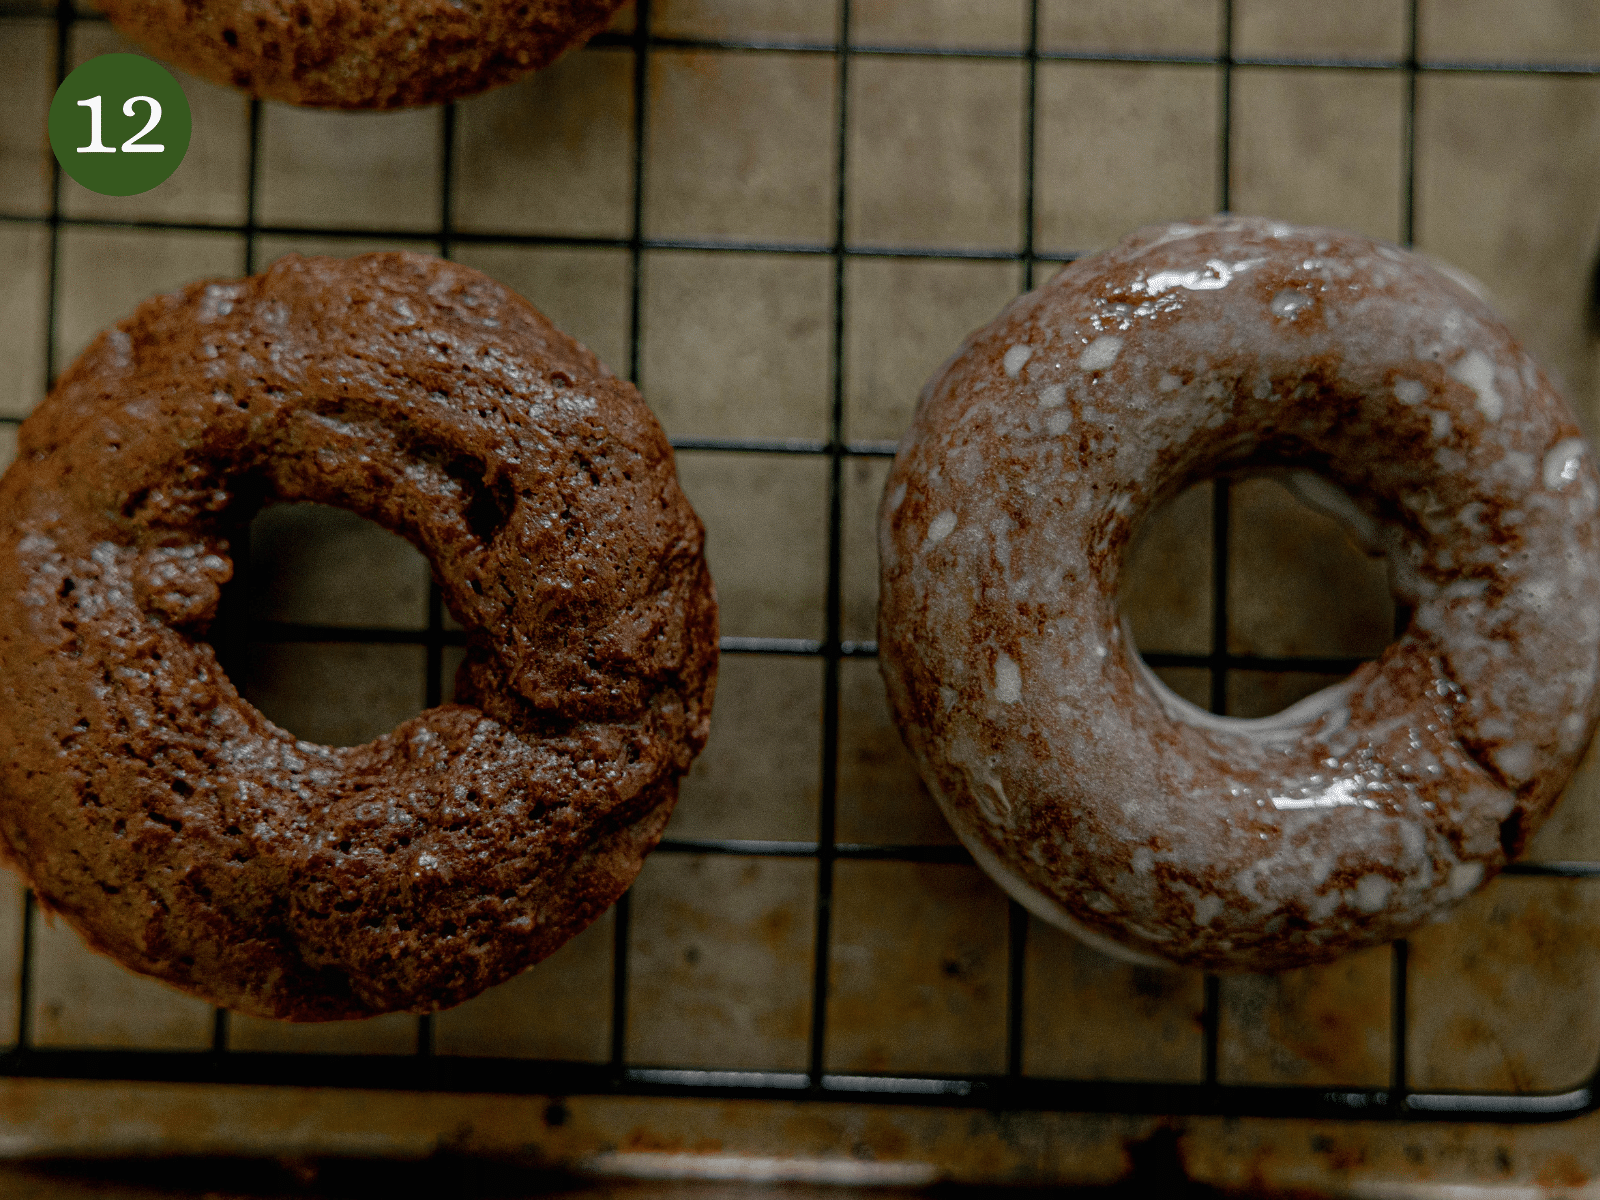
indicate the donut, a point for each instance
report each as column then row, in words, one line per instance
column 180, row 831
column 1101, row 800
column 341, row 54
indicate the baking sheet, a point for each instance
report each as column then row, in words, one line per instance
column 796, row 242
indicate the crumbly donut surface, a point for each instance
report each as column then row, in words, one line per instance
column 1104, row 801
column 360, row 53
column 181, row 831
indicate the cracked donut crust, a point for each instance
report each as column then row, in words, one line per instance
column 182, row 832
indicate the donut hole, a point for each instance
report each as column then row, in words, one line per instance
column 324, row 627
column 1302, row 601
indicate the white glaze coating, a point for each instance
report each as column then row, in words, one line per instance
column 1095, row 795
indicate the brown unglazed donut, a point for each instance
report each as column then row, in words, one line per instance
column 360, row 53
column 183, row 833
column 1099, row 798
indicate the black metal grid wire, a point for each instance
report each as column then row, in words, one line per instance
column 426, row 1071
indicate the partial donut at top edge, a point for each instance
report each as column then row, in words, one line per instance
column 380, row 54
column 182, row 832
column 1098, row 797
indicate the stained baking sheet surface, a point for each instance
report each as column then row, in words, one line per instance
column 781, row 242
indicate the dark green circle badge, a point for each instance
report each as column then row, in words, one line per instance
column 119, row 124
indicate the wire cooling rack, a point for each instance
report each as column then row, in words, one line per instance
column 425, row 1070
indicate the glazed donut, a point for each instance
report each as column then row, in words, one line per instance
column 343, row 54
column 179, row 830
column 1101, row 800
